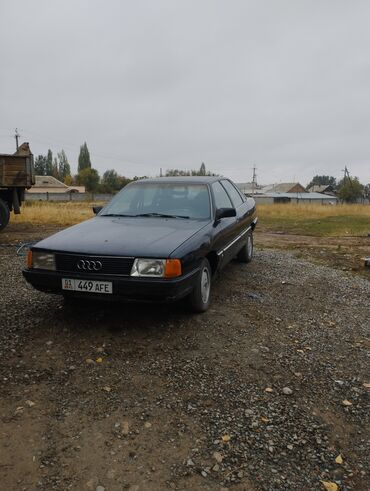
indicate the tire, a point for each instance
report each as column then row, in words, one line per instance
column 200, row 297
column 4, row 214
column 245, row 255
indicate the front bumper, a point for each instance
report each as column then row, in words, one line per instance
column 124, row 287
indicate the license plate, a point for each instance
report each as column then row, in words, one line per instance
column 87, row 286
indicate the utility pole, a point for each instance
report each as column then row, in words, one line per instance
column 16, row 136
column 254, row 180
column 160, row 172
column 346, row 174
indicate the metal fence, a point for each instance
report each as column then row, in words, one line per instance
column 62, row 197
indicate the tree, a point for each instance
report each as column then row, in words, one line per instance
column 40, row 165
column 64, row 169
column 110, row 182
column 89, row 178
column 350, row 189
column 367, row 191
column 179, row 172
column 49, row 164
column 84, row 161
column 55, row 172
column 68, row 180
column 323, row 181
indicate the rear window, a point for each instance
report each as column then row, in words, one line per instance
column 222, row 200
column 233, row 193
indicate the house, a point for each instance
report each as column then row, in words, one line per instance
column 249, row 187
column 284, row 187
column 298, row 198
column 322, row 188
column 49, row 184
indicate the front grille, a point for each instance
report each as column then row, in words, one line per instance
column 109, row 265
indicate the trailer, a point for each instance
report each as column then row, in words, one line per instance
column 16, row 175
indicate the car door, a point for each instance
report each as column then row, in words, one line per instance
column 225, row 228
column 242, row 216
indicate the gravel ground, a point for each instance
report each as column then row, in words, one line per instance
column 266, row 391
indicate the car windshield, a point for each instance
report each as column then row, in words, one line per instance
column 161, row 200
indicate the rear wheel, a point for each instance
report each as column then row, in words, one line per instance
column 245, row 255
column 199, row 299
column 4, row 214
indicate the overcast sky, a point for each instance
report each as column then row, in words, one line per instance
column 282, row 85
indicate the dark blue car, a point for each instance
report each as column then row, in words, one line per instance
column 156, row 240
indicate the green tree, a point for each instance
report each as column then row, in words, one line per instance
column 40, row 165
column 110, row 182
column 64, row 169
column 202, row 170
column 55, row 172
column 367, row 191
column 323, row 181
column 179, row 172
column 350, row 189
column 84, row 161
column 89, row 178
column 49, row 164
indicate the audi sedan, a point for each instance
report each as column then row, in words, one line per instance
column 157, row 240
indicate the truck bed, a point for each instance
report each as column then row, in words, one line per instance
column 16, row 171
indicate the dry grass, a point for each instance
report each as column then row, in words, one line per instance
column 49, row 213
column 313, row 211
column 316, row 220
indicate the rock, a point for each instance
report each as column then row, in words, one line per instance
column 287, row 391
column 100, row 488
column 125, row 428
column 346, row 403
column 147, row 424
column 30, row 403
column 218, row 457
column 269, row 389
column 190, row 463
column 216, row 468
column 204, row 474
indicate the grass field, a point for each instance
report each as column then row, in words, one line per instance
column 314, row 220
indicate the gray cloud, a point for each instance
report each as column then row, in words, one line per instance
column 282, row 85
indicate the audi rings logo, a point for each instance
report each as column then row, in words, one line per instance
column 87, row 265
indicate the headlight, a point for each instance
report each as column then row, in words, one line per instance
column 148, row 267
column 156, row 268
column 43, row 260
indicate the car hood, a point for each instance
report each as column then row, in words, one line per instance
column 121, row 236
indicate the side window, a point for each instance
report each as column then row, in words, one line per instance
column 221, row 198
column 233, row 193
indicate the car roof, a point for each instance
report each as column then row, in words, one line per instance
column 183, row 179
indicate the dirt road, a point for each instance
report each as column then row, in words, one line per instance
column 265, row 391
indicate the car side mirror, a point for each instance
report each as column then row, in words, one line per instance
column 97, row 209
column 225, row 213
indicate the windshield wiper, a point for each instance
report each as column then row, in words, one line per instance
column 162, row 215
column 115, row 215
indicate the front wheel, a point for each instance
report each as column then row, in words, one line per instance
column 245, row 254
column 4, row 214
column 199, row 299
